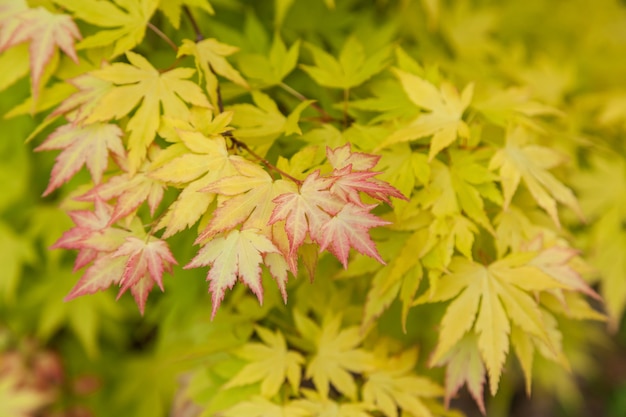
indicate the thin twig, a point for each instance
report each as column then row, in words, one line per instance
column 220, row 105
column 346, row 97
column 268, row 164
column 163, row 36
column 194, row 24
column 325, row 116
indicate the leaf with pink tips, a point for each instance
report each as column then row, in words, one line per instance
column 349, row 229
column 236, row 255
column 82, row 145
column 343, row 156
column 46, row 31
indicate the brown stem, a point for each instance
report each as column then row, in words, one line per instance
column 220, row 105
column 163, row 36
column 346, row 97
column 325, row 116
column 194, row 24
column 241, row 145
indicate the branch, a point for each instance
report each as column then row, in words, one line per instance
column 163, row 36
column 236, row 142
column 325, row 116
column 194, row 24
column 241, row 145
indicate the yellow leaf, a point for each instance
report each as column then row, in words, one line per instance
column 139, row 82
column 270, row 363
column 127, row 21
column 444, row 118
column 199, row 169
column 493, row 330
column 236, row 255
column 336, row 355
column 209, row 55
column 520, row 160
column 393, row 384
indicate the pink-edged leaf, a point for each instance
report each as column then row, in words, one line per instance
column 554, row 261
column 105, row 271
column 306, row 211
column 87, row 223
column 465, row 367
column 349, row 228
column 251, row 205
column 130, row 191
column 46, row 31
column 91, row 235
column 140, row 291
column 278, row 268
column 235, row 255
column 91, row 91
column 343, row 156
column 85, row 257
column 145, row 257
column 348, row 184
column 82, row 145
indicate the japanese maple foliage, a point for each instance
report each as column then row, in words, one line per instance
column 419, row 166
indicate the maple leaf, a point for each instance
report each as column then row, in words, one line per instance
column 465, row 366
column 463, row 185
column 235, row 255
column 45, row 31
column 514, row 105
column 260, row 124
column 130, row 191
column 135, row 263
column 352, row 69
column 270, row 363
column 209, row 55
column 336, row 354
column 92, row 234
column 404, row 169
column 343, row 156
column 127, row 19
column 352, row 175
column 303, row 211
column 82, row 145
column 444, row 120
column 250, row 203
column 485, row 292
column 140, row 81
column 270, row 69
column 349, row 228
column 206, row 162
column 81, row 104
column 147, row 259
column 393, row 384
column 519, row 160
column 349, row 183
column 330, row 210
